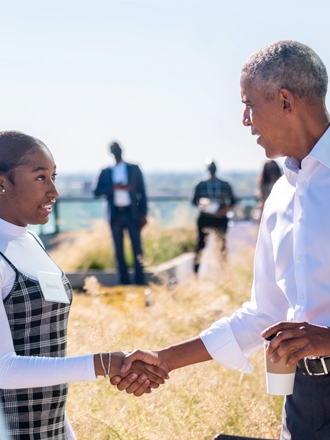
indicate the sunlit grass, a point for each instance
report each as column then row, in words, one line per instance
column 198, row 401
column 93, row 248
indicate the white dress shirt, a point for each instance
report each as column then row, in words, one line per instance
column 121, row 197
column 292, row 261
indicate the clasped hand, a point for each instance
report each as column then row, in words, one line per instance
column 302, row 338
column 134, row 374
column 122, row 186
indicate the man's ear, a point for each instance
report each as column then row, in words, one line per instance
column 288, row 101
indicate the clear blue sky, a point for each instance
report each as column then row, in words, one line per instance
column 159, row 76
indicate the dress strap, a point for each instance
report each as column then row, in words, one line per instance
column 45, row 251
column 29, row 232
column 10, row 263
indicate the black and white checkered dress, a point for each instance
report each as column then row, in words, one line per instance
column 38, row 328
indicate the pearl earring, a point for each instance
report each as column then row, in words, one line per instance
column 3, row 190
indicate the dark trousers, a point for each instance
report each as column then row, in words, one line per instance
column 205, row 224
column 123, row 220
column 306, row 413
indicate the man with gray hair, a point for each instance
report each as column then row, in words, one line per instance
column 283, row 88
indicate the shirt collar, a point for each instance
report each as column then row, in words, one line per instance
column 291, row 169
column 320, row 152
column 12, row 230
column 120, row 164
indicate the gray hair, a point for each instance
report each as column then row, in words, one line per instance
column 287, row 65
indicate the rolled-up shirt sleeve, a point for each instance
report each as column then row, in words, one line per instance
column 230, row 341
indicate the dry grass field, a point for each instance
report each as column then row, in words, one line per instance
column 93, row 248
column 198, row 401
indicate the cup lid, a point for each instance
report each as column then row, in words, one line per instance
column 271, row 337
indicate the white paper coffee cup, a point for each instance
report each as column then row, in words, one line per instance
column 280, row 384
column 279, row 377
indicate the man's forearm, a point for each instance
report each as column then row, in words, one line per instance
column 185, row 353
column 176, row 356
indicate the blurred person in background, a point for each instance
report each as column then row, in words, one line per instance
column 214, row 198
column 36, row 298
column 124, row 189
column 270, row 174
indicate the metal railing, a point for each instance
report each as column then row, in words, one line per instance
column 243, row 210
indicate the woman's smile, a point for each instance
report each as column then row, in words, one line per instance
column 47, row 208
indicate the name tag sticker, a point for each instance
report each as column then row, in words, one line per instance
column 52, row 287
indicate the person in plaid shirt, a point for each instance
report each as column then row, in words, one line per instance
column 214, row 198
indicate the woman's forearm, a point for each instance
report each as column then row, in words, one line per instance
column 33, row 372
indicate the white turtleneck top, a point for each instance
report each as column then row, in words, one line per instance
column 23, row 251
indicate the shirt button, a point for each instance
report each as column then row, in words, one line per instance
column 300, row 219
column 302, row 296
column 304, row 183
column 300, row 257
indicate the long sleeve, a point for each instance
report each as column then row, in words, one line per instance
column 69, row 431
column 232, row 196
column 142, row 190
column 31, row 371
column 231, row 340
column 27, row 255
column 194, row 195
column 104, row 186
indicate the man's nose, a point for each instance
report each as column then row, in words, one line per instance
column 246, row 118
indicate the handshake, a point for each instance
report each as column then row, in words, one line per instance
column 138, row 372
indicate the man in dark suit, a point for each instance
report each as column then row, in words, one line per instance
column 124, row 188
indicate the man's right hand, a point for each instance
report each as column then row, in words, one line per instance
column 222, row 212
column 138, row 377
column 121, row 186
column 153, row 364
column 150, row 358
column 176, row 356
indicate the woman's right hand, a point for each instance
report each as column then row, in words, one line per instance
column 138, row 377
